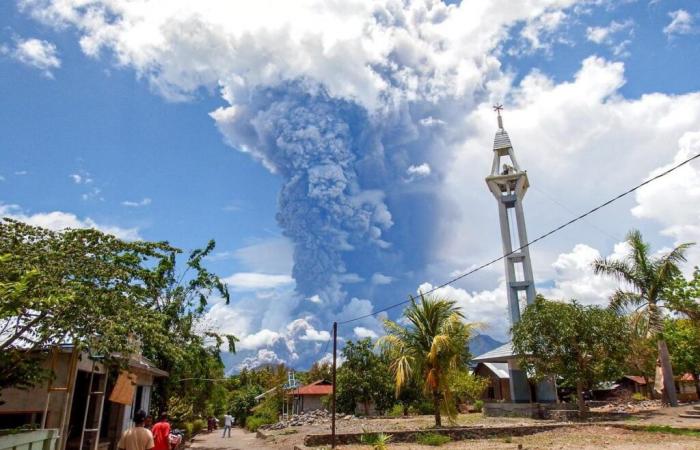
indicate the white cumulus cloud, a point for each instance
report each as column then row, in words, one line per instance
column 682, row 22
column 255, row 281
column 60, row 220
column 36, row 53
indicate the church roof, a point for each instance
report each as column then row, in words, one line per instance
column 497, row 355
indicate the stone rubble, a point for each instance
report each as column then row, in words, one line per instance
column 629, row 406
column 317, row 416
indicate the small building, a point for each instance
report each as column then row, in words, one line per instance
column 80, row 401
column 497, row 374
column 310, row 397
column 686, row 388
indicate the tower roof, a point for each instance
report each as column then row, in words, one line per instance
column 502, row 140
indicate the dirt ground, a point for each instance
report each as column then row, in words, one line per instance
column 570, row 438
column 601, row 436
column 585, row 438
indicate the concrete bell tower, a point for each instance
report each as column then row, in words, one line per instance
column 508, row 184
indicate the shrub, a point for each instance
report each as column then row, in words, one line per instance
column 479, row 405
column 638, row 397
column 378, row 441
column 433, row 439
column 425, row 407
column 395, row 411
column 189, row 429
column 252, row 423
column 197, row 426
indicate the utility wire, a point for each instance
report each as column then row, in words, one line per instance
column 539, row 238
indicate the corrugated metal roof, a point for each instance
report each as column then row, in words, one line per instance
column 502, row 140
column 500, row 354
column 498, row 369
column 636, row 378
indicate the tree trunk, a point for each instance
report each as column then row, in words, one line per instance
column 582, row 410
column 667, row 370
column 405, row 409
column 436, row 405
column 366, row 406
column 697, row 386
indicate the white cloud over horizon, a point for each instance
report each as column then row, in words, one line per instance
column 60, row 220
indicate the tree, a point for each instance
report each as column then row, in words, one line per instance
column 73, row 287
column 467, row 386
column 683, row 337
column 363, row 379
column 432, row 347
column 583, row 344
column 648, row 279
column 683, row 296
column 109, row 296
column 319, row 371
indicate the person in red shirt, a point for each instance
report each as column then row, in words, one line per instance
column 161, row 433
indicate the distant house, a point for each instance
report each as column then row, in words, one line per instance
column 309, row 397
column 499, row 381
column 83, row 391
column 686, row 388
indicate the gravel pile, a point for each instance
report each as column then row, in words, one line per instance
column 630, row 406
column 315, row 417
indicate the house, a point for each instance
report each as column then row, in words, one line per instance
column 87, row 398
column 310, row 397
column 686, row 388
column 499, row 381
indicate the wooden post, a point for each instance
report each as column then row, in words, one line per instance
column 335, row 342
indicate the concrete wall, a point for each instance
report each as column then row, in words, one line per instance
column 311, row 402
column 30, row 440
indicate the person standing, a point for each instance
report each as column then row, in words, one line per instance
column 161, row 433
column 137, row 437
column 228, row 423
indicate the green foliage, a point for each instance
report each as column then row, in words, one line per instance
column 668, row 429
column 638, row 397
column 111, row 297
column 652, row 281
column 467, row 386
column 363, row 378
column 396, row 411
column 319, row 371
column 378, row 441
column 683, row 296
column 479, row 405
column 432, row 347
column 243, row 401
column 583, row 344
column 189, row 429
column 683, row 338
column 198, row 425
column 265, row 413
column 432, row 439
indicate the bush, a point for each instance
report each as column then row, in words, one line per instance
column 197, row 426
column 433, row 439
column 189, row 429
column 378, row 441
column 479, row 405
column 252, row 423
column 638, row 397
column 425, row 407
column 395, row 411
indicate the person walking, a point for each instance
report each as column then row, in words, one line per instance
column 228, row 423
column 137, row 437
column 161, row 433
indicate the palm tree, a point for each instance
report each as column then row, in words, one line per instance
column 429, row 349
column 646, row 279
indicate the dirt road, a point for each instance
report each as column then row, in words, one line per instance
column 239, row 440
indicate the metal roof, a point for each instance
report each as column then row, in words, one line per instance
column 501, row 140
column 499, row 355
column 498, row 369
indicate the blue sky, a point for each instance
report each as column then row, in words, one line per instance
column 337, row 153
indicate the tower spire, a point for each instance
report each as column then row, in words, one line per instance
column 498, row 107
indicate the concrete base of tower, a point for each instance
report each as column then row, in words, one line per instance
column 546, row 392
column 519, row 385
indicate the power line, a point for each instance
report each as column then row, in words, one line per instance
column 539, row 238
